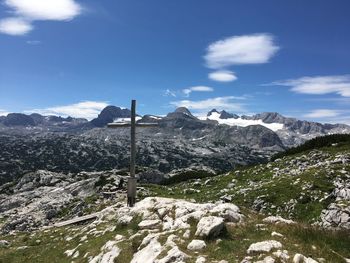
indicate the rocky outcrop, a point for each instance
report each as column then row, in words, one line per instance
column 337, row 215
column 42, row 198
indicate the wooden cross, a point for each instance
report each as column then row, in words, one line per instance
column 131, row 191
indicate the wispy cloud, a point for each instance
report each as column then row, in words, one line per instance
column 188, row 91
column 84, row 109
column 238, row 50
column 33, row 42
column 318, row 85
column 169, row 93
column 220, row 103
column 322, row 113
column 222, row 76
column 27, row 11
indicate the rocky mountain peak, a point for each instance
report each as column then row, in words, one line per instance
column 226, row 115
column 183, row 110
column 18, row 119
column 270, row 117
column 212, row 111
column 109, row 114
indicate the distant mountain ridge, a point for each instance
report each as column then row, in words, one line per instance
column 291, row 131
column 219, row 141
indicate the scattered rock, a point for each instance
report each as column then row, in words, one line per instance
column 175, row 255
column 196, row 244
column 277, row 220
column 264, row 246
column 149, row 224
column 4, row 243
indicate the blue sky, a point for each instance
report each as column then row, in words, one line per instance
column 71, row 57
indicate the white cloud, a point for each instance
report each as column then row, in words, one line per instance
column 27, row 11
column 222, row 76
column 3, row 112
column 169, row 93
column 319, row 85
column 322, row 113
column 220, row 103
column 15, row 26
column 84, row 109
column 45, row 10
column 188, row 91
column 238, row 50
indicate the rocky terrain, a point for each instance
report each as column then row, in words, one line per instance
column 294, row 209
column 311, row 187
column 67, row 145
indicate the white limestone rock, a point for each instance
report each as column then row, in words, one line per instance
column 283, row 255
column 210, row 226
column 267, row 259
column 175, row 255
column 187, row 234
column 196, row 244
column 149, row 224
column 200, row 259
column 149, row 253
column 264, row 246
column 108, row 253
column 175, row 213
column 276, row 234
column 299, row 258
column 277, row 220
column 4, row 243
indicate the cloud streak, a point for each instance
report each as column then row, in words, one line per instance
column 27, row 11
column 188, row 91
column 240, row 50
column 322, row 113
column 84, row 109
column 318, row 85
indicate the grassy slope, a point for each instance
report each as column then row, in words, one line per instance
column 310, row 189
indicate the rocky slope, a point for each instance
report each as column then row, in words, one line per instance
column 312, row 187
column 160, row 230
column 275, row 212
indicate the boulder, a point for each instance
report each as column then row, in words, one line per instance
column 196, row 244
column 210, row 226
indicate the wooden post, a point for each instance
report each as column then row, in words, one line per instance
column 131, row 189
column 132, row 179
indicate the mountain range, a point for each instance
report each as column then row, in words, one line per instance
column 217, row 142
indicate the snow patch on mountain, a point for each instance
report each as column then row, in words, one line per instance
column 242, row 122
